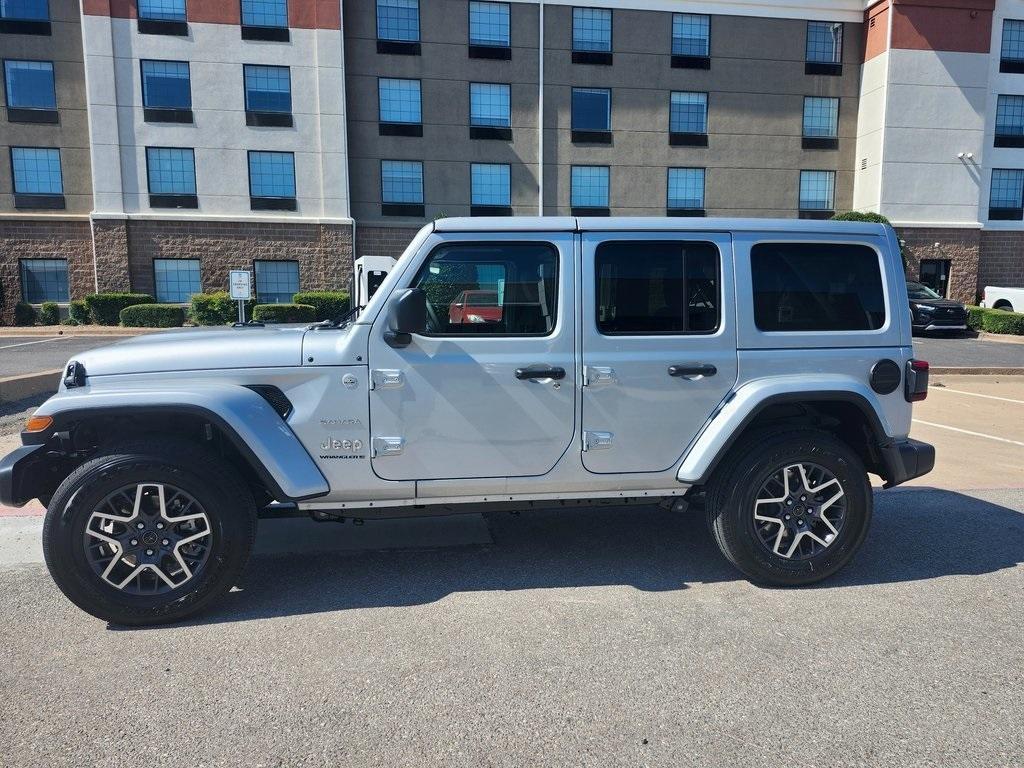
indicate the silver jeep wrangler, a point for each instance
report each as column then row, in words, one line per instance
column 756, row 369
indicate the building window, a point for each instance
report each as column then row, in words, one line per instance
column 824, row 48
column 591, row 36
column 25, row 10
column 821, row 123
column 277, row 282
column 685, row 191
column 44, row 280
column 268, row 89
column 176, row 280
column 265, row 13
column 162, row 10
column 688, row 119
column 166, row 91
column 401, row 184
column 592, row 115
column 37, row 178
column 398, row 26
column 1006, row 198
column 691, row 41
column 817, row 194
column 490, row 111
column 172, row 177
column 489, row 30
column 1010, row 121
column 589, row 190
column 490, row 189
column 1011, row 57
column 272, row 181
column 31, row 96
column 400, row 110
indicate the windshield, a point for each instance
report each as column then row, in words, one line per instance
column 919, row 291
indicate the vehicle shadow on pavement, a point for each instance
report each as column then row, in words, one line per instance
column 916, row 534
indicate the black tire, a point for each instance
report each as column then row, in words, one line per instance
column 733, row 490
column 209, row 480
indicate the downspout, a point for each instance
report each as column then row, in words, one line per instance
column 540, row 113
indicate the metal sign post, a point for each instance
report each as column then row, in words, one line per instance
column 240, row 282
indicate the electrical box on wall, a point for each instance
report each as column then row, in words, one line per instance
column 369, row 273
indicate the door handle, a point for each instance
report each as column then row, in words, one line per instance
column 526, row 374
column 692, row 369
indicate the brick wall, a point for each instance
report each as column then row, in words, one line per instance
column 41, row 239
column 1002, row 259
column 383, row 241
column 961, row 247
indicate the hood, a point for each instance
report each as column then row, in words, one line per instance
column 938, row 303
column 193, row 349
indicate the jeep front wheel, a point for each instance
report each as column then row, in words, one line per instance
column 790, row 509
column 147, row 533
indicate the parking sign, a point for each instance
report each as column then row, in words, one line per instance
column 241, row 285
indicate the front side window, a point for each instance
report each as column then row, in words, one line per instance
column 691, row 34
column 490, row 105
column 277, row 282
column 25, row 10
column 1013, row 41
column 589, row 186
column 398, row 20
column 36, row 171
column 591, row 109
column 1010, row 117
column 162, row 10
column 176, row 280
column 489, row 24
column 29, row 84
column 166, row 85
column 821, row 118
column 491, row 184
column 171, row 171
column 44, row 280
column 399, row 100
column 1006, row 196
column 817, row 190
column 824, row 42
column 272, row 175
column 401, row 182
column 646, row 288
column 492, row 289
column 265, row 13
column 267, row 89
column 816, row 287
column 686, row 189
column 592, row 29
column 688, row 113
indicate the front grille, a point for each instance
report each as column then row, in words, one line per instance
column 275, row 397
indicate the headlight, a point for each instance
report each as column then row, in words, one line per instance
column 924, row 309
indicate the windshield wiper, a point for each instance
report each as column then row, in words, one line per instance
column 337, row 322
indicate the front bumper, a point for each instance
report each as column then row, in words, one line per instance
column 946, row 327
column 15, row 477
column 907, row 459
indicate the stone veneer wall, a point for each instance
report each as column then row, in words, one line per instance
column 43, row 239
column 383, row 241
column 1002, row 259
column 962, row 247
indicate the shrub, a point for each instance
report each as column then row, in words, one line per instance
column 152, row 316
column 283, row 313
column 105, row 308
column 870, row 218
column 998, row 321
column 327, row 304
column 78, row 311
column 24, row 314
column 49, row 313
column 217, row 308
column 974, row 317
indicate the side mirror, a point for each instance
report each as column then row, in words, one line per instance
column 408, row 315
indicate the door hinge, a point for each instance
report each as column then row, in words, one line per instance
column 597, row 441
column 388, row 446
column 384, row 378
column 596, row 375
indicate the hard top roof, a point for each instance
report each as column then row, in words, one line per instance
column 650, row 224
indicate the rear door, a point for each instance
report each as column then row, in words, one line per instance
column 659, row 344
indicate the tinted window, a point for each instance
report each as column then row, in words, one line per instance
column 490, row 104
column 276, row 281
column 176, row 279
column 171, row 171
column 657, row 288
column 265, row 13
column 268, row 89
column 816, row 287
column 506, row 289
column 30, row 84
column 36, row 171
column 166, row 85
column 44, row 280
column 489, row 24
column 272, row 174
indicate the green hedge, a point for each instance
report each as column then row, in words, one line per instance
column 283, row 313
column 152, row 316
column 327, row 304
column 974, row 316
column 78, row 311
column 998, row 321
column 49, row 313
column 24, row 314
column 217, row 308
column 105, row 308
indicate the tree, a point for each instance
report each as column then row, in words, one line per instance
column 871, row 218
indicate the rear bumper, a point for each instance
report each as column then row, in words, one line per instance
column 14, row 468
column 907, row 459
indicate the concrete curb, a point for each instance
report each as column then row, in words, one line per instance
column 1001, row 338
column 937, row 370
column 28, row 385
column 73, row 331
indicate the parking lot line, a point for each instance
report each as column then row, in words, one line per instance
column 28, row 343
column 975, row 394
column 968, row 432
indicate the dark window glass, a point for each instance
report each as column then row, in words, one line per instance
column 277, row 282
column 44, row 280
column 816, row 287
column 24, row 10
column 1013, row 40
column 165, row 85
column 656, row 288
column 176, row 279
column 591, row 109
column 164, row 10
column 29, row 84
column 1010, row 116
column 268, row 89
column 265, row 13
column 494, row 289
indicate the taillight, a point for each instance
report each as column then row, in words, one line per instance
column 917, row 381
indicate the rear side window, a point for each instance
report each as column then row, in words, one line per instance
column 491, row 289
column 657, row 288
column 816, row 287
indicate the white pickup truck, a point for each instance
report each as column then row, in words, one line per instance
column 1010, row 299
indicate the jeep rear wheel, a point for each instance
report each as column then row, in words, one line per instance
column 149, row 534
column 790, row 509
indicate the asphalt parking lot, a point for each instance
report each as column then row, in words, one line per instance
column 28, row 354
column 593, row 636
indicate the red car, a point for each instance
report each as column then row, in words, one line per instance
column 475, row 307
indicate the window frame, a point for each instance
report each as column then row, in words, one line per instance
column 156, row 282
column 270, row 33
column 256, row 279
column 592, row 55
column 588, row 210
column 815, row 67
column 394, row 45
column 820, row 142
column 267, row 118
column 1006, row 213
column 490, row 209
column 172, row 199
column 719, row 288
column 396, row 127
column 165, row 114
column 28, row 26
column 685, row 60
column 503, row 133
column 815, row 213
column 409, row 209
column 37, row 200
column 272, row 202
column 590, row 135
column 21, row 280
column 20, row 114
column 488, row 50
column 1009, row 65
column 684, row 212
column 1008, row 139
column 152, row 25
column 689, row 138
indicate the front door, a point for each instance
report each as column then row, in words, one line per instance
column 935, row 274
column 489, row 390
column 659, row 345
